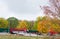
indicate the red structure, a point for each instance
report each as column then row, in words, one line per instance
column 52, row 32
column 15, row 29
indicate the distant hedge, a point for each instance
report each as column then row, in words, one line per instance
column 4, row 30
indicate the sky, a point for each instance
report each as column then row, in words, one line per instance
column 22, row 9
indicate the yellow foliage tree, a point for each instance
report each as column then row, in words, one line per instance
column 3, row 23
column 22, row 24
column 41, row 27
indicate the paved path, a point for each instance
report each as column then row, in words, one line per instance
column 4, row 33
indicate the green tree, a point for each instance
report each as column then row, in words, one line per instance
column 34, row 27
column 13, row 22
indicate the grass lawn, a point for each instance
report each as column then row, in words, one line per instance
column 16, row 37
column 20, row 37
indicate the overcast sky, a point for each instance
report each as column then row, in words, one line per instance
column 21, row 9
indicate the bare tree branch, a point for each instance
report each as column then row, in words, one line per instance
column 52, row 10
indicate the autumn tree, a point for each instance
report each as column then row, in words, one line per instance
column 39, row 19
column 55, row 25
column 22, row 24
column 3, row 23
column 52, row 10
column 43, row 25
